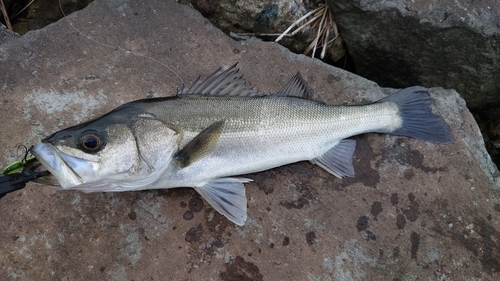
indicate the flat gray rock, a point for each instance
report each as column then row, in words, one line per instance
column 415, row 210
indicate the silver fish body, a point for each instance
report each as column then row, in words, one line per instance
column 265, row 132
column 218, row 129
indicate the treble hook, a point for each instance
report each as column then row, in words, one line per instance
column 26, row 152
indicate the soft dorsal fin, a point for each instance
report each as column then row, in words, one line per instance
column 200, row 146
column 221, row 83
column 296, row 87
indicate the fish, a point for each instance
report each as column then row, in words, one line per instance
column 211, row 133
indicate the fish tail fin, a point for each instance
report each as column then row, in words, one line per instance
column 418, row 121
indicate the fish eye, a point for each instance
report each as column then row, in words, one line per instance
column 91, row 141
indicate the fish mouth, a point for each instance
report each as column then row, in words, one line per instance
column 66, row 171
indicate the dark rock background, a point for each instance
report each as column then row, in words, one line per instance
column 451, row 44
column 415, row 210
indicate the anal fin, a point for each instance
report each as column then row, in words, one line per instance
column 227, row 196
column 338, row 159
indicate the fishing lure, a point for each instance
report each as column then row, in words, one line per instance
column 18, row 173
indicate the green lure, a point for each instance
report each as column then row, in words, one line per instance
column 16, row 166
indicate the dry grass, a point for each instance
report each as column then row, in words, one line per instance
column 320, row 17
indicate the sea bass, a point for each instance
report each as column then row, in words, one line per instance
column 219, row 128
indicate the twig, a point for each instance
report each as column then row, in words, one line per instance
column 5, row 15
column 23, row 8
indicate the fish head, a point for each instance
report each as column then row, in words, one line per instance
column 109, row 153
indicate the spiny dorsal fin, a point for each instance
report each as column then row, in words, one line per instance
column 221, row 83
column 296, row 87
column 200, row 146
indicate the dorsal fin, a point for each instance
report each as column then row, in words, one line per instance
column 296, row 87
column 221, row 83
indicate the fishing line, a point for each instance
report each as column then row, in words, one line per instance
column 118, row 48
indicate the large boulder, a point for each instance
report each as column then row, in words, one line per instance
column 415, row 210
column 450, row 44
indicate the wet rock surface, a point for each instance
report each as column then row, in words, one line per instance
column 415, row 210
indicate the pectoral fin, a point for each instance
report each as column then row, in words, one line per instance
column 338, row 159
column 227, row 196
column 201, row 146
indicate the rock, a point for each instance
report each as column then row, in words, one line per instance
column 415, row 210
column 450, row 44
column 6, row 34
column 250, row 16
